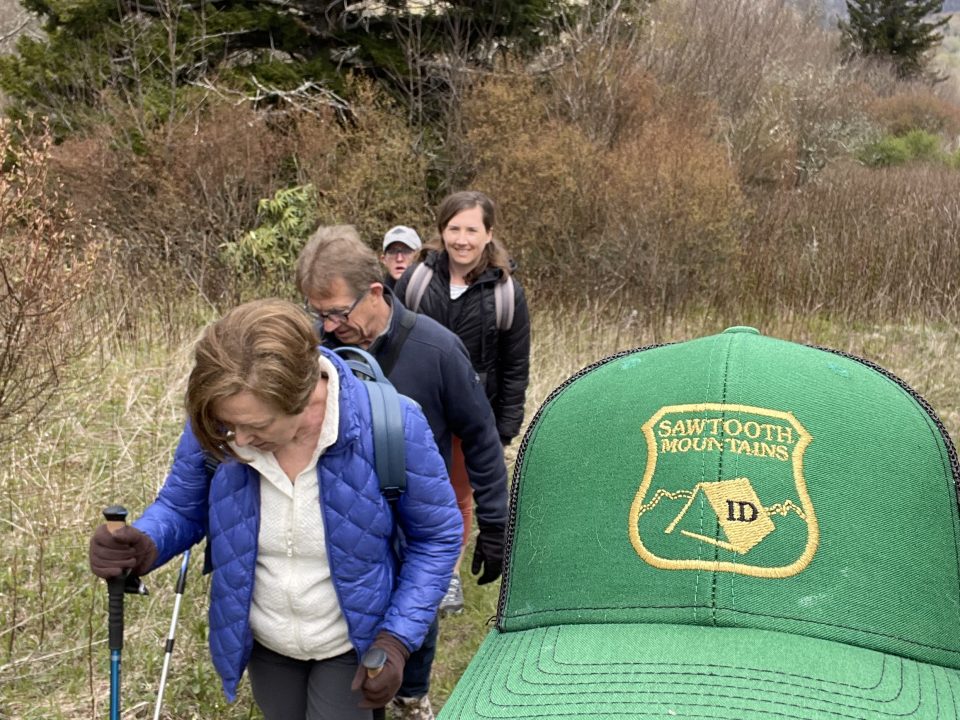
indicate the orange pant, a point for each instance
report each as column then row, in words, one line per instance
column 461, row 487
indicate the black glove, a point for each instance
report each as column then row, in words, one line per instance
column 488, row 554
column 126, row 549
column 504, row 440
column 380, row 689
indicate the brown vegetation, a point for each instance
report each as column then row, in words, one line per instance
column 165, row 213
column 701, row 159
column 698, row 159
column 916, row 108
column 47, row 266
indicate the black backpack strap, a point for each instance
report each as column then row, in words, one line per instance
column 210, row 464
column 405, row 323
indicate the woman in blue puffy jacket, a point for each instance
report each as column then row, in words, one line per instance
column 301, row 539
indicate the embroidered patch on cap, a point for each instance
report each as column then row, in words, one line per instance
column 730, row 476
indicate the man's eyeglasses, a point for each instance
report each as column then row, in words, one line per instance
column 397, row 252
column 337, row 315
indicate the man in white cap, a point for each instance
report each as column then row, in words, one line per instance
column 399, row 245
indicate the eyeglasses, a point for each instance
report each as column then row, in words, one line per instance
column 337, row 316
column 396, row 252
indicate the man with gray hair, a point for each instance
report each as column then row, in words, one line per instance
column 341, row 281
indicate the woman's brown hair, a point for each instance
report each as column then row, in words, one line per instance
column 265, row 347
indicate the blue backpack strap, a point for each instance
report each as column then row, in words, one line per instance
column 386, row 414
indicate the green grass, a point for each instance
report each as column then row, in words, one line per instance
column 112, row 440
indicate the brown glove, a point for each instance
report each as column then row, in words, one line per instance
column 126, row 549
column 379, row 690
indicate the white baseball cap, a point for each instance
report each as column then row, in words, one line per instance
column 402, row 234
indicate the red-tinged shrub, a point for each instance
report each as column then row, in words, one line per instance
column 916, row 109
column 168, row 212
column 47, row 265
column 647, row 215
column 861, row 243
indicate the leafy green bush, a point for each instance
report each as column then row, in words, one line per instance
column 922, row 145
column 885, row 152
column 914, row 146
column 265, row 256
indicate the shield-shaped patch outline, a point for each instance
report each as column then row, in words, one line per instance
column 796, row 459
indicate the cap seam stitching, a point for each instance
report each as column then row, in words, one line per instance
column 714, row 574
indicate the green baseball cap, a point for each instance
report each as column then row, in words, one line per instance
column 731, row 527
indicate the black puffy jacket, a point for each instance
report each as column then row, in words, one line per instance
column 502, row 359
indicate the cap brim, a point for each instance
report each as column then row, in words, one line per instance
column 683, row 671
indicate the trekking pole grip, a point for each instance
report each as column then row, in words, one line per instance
column 116, row 516
column 373, row 661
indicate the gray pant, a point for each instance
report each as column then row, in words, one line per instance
column 289, row 689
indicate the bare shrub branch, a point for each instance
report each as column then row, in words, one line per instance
column 598, row 68
column 47, row 264
column 784, row 105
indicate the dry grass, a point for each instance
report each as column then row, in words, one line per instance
column 859, row 243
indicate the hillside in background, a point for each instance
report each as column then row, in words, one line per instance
column 947, row 56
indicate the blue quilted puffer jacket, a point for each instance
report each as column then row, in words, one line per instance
column 376, row 592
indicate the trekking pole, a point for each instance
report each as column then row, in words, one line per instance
column 181, row 584
column 116, row 516
column 373, row 661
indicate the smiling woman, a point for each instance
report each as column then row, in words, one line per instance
column 465, row 268
column 297, row 596
column 465, row 283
